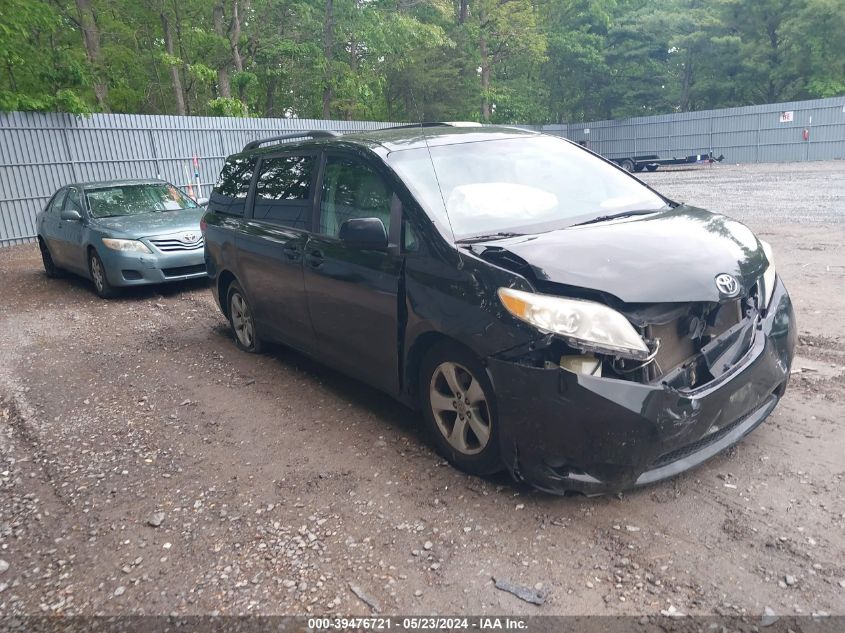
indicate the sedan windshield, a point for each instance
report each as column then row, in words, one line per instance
column 518, row 185
column 105, row 202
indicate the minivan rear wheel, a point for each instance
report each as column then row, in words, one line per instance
column 459, row 408
column 241, row 319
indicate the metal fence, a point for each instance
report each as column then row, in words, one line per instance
column 41, row 152
column 771, row 133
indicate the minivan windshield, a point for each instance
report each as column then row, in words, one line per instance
column 518, row 185
column 133, row 199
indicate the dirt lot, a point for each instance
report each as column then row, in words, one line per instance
column 280, row 483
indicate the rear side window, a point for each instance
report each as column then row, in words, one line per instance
column 230, row 192
column 283, row 190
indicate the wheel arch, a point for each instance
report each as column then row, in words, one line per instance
column 225, row 279
column 413, row 360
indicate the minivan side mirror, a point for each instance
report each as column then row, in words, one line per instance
column 70, row 214
column 364, row 233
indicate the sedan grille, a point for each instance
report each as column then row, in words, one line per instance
column 179, row 243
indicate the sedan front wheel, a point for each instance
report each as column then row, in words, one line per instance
column 98, row 275
column 50, row 267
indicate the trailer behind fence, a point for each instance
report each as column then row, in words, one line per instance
column 41, row 152
column 771, row 133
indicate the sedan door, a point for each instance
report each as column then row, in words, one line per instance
column 49, row 229
column 271, row 243
column 352, row 291
column 71, row 233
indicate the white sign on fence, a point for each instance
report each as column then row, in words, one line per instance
column 786, row 117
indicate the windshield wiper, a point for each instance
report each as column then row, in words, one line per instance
column 492, row 236
column 614, row 216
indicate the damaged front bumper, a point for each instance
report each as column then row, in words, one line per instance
column 561, row 431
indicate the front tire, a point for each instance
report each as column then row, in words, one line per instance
column 241, row 320
column 628, row 165
column 97, row 270
column 459, row 408
column 50, row 268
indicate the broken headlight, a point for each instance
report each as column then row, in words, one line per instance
column 767, row 281
column 583, row 324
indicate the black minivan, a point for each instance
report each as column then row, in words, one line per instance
column 548, row 312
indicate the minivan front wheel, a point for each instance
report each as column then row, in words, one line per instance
column 460, row 409
column 242, row 321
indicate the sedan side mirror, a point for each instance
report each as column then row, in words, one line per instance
column 70, row 214
column 364, row 233
column 203, row 202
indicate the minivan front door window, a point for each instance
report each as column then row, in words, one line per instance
column 351, row 189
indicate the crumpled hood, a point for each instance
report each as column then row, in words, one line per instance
column 149, row 224
column 670, row 256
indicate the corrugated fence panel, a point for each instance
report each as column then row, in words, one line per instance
column 40, row 152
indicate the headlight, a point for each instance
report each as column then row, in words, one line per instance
column 768, row 281
column 133, row 246
column 584, row 324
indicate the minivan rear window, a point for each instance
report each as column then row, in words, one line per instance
column 283, row 190
column 230, row 192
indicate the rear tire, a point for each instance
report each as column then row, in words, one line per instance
column 241, row 319
column 50, row 268
column 97, row 271
column 459, row 408
column 628, row 165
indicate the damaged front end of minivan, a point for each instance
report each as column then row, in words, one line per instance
column 580, row 416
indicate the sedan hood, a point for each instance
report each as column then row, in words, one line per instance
column 665, row 257
column 150, row 224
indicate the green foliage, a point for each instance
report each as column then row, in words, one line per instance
column 502, row 60
column 227, row 107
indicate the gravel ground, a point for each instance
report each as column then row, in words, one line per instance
column 149, row 467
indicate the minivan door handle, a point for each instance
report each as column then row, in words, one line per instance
column 314, row 258
column 291, row 251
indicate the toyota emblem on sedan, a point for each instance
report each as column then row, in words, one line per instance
column 727, row 284
column 190, row 238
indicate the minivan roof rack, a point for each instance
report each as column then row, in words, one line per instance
column 286, row 137
column 408, row 126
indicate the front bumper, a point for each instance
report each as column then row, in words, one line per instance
column 561, row 431
column 137, row 269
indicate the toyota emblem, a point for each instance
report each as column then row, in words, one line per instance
column 727, row 285
column 190, row 238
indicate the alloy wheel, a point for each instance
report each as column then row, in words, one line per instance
column 97, row 273
column 242, row 320
column 460, row 408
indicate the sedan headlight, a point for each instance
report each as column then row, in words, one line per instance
column 768, row 280
column 584, row 324
column 133, row 246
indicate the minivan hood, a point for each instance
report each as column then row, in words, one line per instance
column 665, row 257
column 149, row 224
